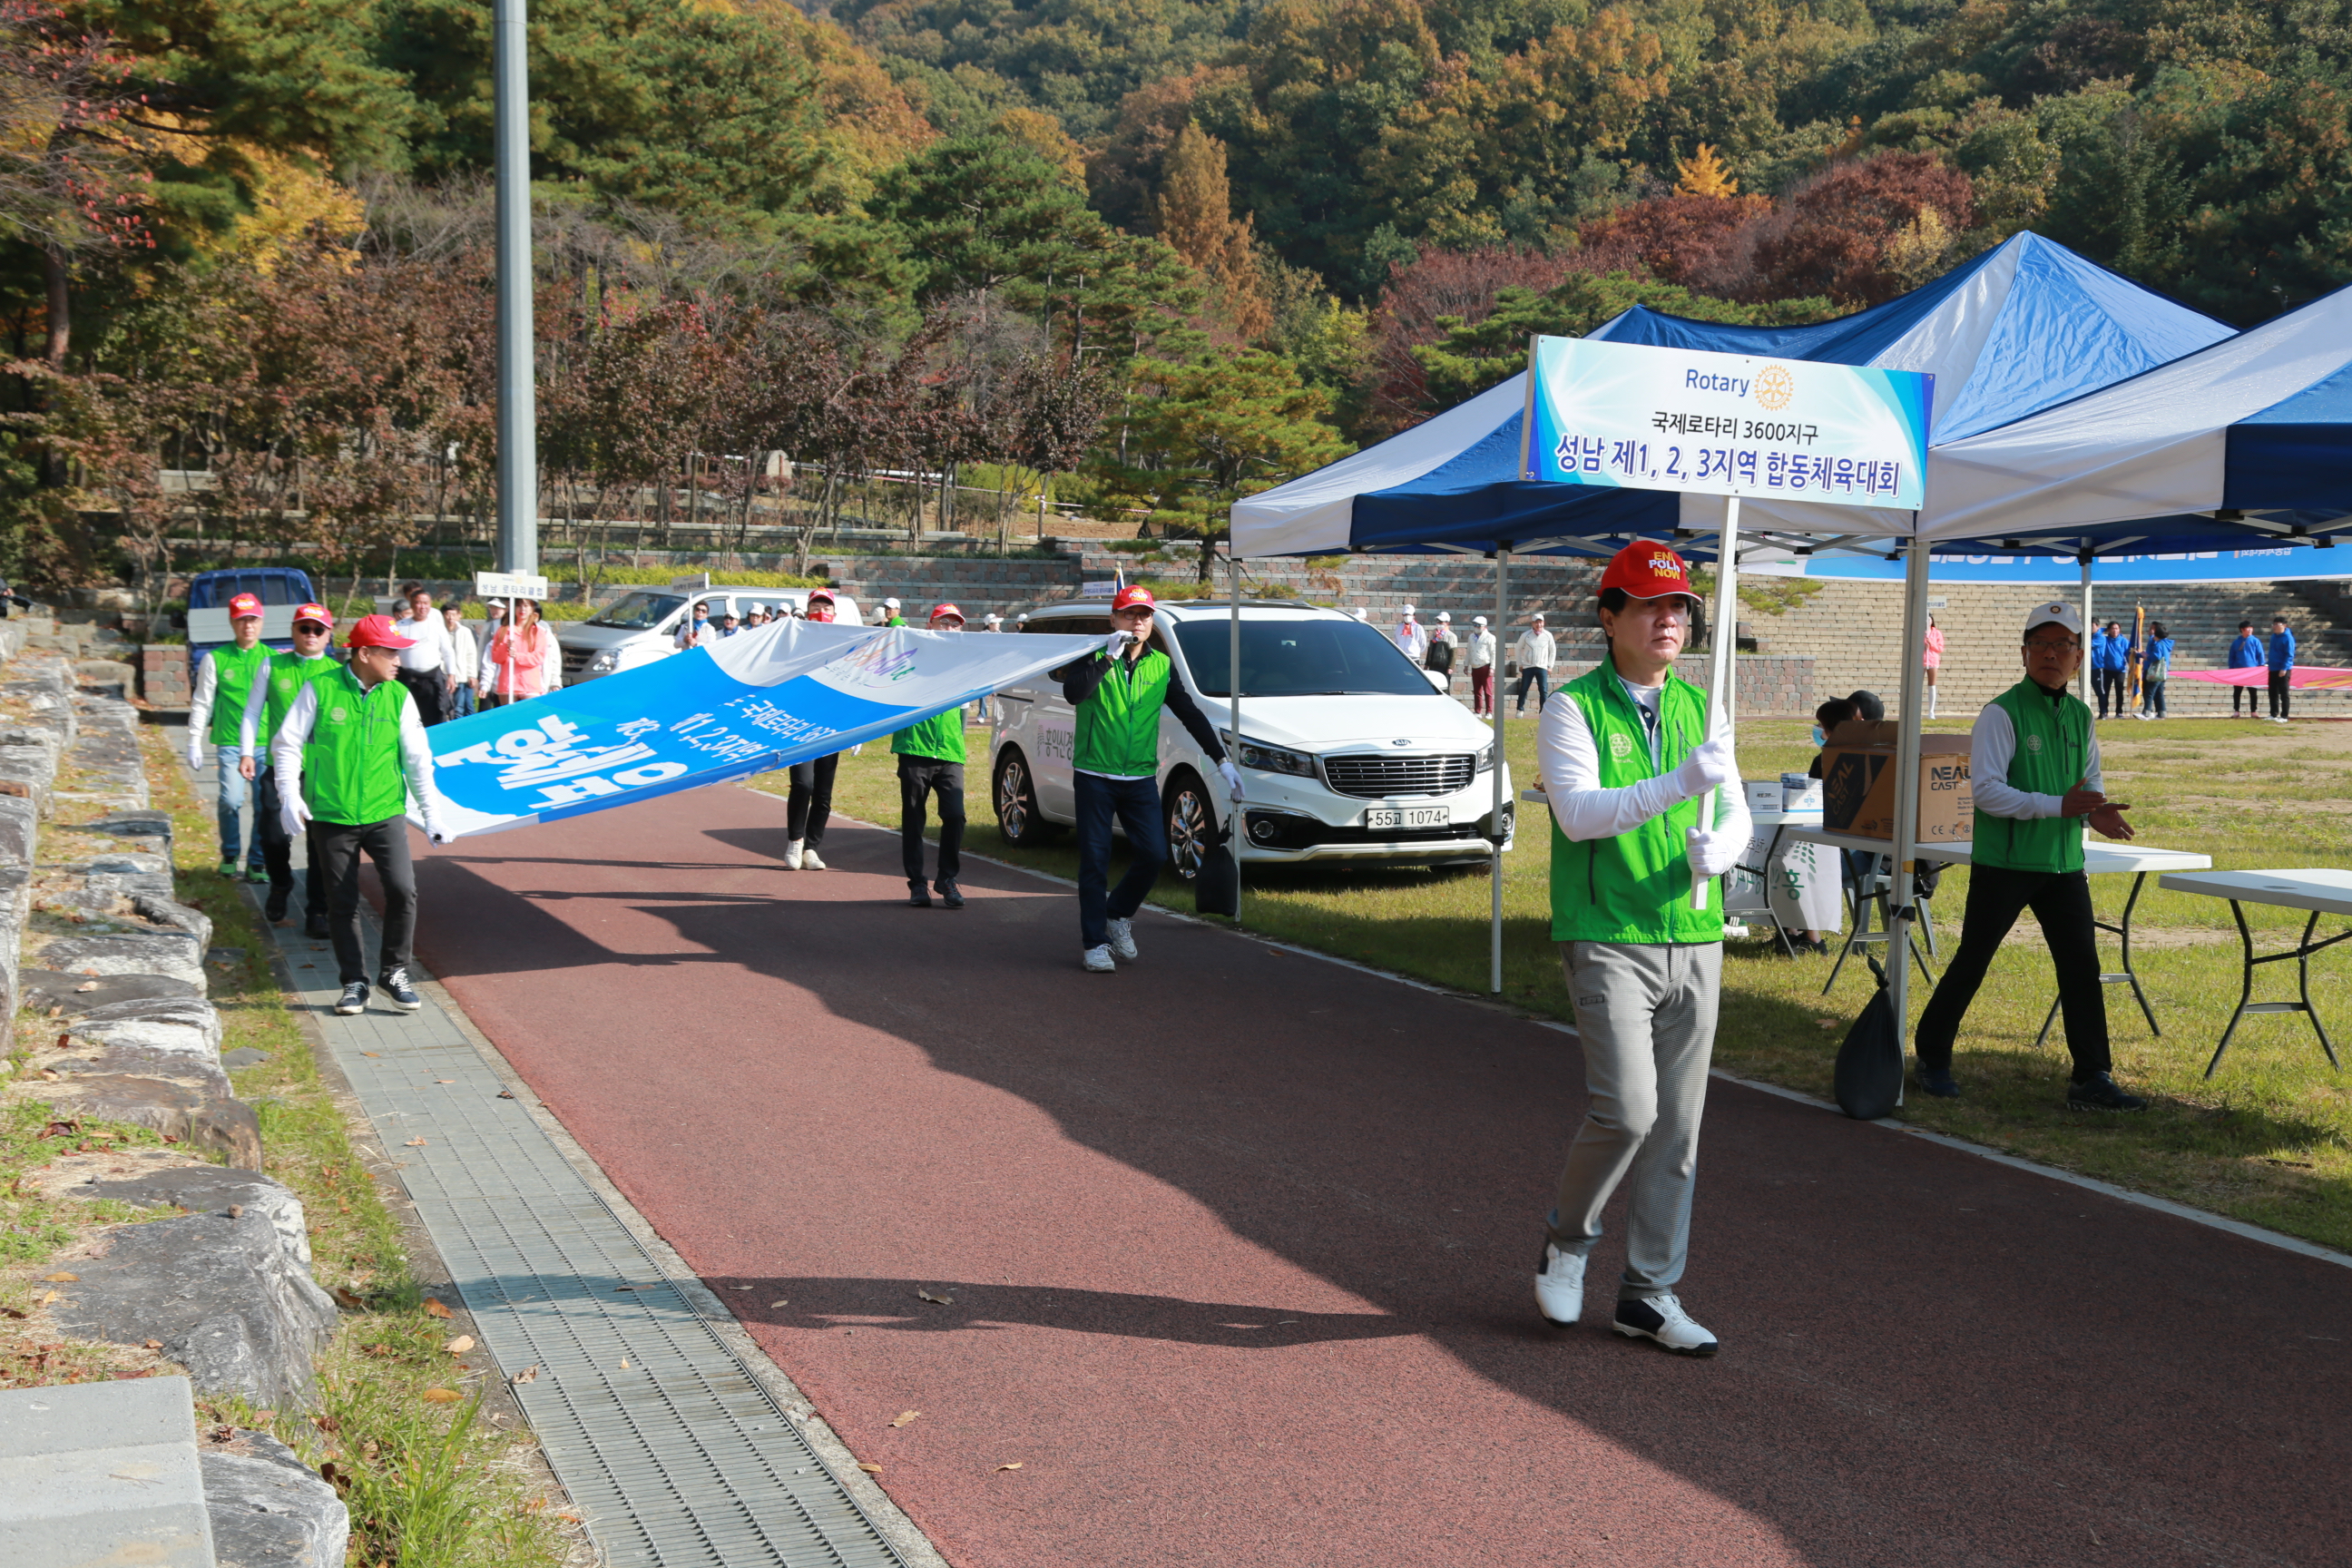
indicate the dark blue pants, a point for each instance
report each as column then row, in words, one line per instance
column 1136, row 804
column 2103, row 683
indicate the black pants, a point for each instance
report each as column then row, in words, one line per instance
column 2062, row 903
column 2282, row 694
column 278, row 850
column 1541, row 680
column 335, row 849
column 1135, row 803
column 2104, row 681
column 2244, row 694
column 919, row 778
column 808, row 805
column 432, row 702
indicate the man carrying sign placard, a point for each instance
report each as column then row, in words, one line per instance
column 1633, row 780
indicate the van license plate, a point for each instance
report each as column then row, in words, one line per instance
column 1408, row 816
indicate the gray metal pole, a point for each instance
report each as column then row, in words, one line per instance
column 2087, row 624
column 1722, row 668
column 1906, row 781
column 517, row 410
column 1238, row 811
column 1495, row 687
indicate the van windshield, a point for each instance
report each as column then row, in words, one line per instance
column 639, row 612
column 1299, row 658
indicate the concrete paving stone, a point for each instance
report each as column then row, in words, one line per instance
column 103, row 1473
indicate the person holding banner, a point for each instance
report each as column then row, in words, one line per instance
column 1119, row 693
column 808, row 800
column 930, row 761
column 1640, row 811
column 282, row 679
column 224, row 681
column 522, row 661
column 2033, row 766
column 349, row 755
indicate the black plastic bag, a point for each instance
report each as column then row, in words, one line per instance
column 1870, row 1063
column 1217, row 891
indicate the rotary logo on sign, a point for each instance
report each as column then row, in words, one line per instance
column 1775, row 388
column 1620, row 746
column 2033, row 744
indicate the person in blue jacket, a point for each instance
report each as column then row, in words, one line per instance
column 2246, row 653
column 2118, row 660
column 2155, row 667
column 2281, row 662
column 2100, row 638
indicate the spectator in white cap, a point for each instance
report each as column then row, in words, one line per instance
column 1442, row 646
column 1482, row 667
column 1535, row 653
column 1362, row 614
column 1412, row 637
column 890, row 615
column 2034, row 766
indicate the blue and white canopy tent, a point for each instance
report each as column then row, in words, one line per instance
column 2023, row 328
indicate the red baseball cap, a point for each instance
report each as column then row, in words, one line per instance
column 1133, row 593
column 1648, row 571
column 375, row 631
column 816, row 594
column 941, row 612
column 317, row 613
column 242, row 605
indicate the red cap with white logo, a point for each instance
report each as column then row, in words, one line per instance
column 1647, row 570
column 1133, row 593
column 375, row 631
column 244, row 605
column 317, row 613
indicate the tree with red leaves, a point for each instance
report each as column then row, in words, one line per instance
column 1858, row 231
column 1433, row 294
column 1692, row 240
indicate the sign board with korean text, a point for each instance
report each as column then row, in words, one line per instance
column 1634, row 417
column 762, row 700
column 510, row 585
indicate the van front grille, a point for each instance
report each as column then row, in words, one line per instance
column 1375, row 778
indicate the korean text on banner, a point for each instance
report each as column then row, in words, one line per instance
column 1642, row 417
column 763, row 699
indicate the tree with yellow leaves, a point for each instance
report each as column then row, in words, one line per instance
column 1195, row 215
column 1703, row 175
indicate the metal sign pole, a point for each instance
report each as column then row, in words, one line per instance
column 517, row 418
column 1493, row 688
column 1906, row 785
column 1237, row 815
column 1721, row 668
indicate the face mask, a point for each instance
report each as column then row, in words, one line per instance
column 1818, row 738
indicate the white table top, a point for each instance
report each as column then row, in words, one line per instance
column 1760, row 818
column 2098, row 859
column 2311, row 887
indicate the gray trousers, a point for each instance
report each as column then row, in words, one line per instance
column 1646, row 1016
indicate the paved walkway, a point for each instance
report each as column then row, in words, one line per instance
column 1230, row 1253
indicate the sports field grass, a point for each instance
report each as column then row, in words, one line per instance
column 2267, row 1139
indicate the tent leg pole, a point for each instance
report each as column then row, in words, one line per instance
column 1906, row 785
column 1240, row 817
column 1494, row 687
column 2086, row 627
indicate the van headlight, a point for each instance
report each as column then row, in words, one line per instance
column 1486, row 757
column 1268, row 759
column 605, row 662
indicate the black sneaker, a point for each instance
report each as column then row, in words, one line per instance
column 353, row 999
column 918, row 897
column 403, row 995
column 950, row 894
column 314, row 926
column 275, row 910
column 2098, row 1092
column 1940, row 1084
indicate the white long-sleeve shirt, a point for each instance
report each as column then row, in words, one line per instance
column 1570, row 763
column 1992, row 746
column 1535, row 650
column 200, row 703
column 416, row 754
column 465, row 661
column 257, row 702
column 1482, row 649
column 1413, row 637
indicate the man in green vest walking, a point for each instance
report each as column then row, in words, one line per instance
column 1115, row 771
column 272, row 697
column 2033, row 770
column 350, row 755
column 1642, row 828
column 223, row 682
column 930, row 761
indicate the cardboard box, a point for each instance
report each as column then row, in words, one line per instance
column 1800, row 792
column 1763, row 794
column 1858, row 785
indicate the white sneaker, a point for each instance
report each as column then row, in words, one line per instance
column 1099, row 961
column 1122, row 938
column 1559, row 1287
column 809, row 862
column 793, row 856
column 1662, row 1318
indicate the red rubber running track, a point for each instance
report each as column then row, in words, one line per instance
column 1239, row 1245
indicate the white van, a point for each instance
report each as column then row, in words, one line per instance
column 641, row 626
column 1347, row 753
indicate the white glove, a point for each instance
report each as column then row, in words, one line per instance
column 292, row 813
column 1115, row 644
column 1704, row 768
column 435, row 829
column 195, row 752
column 1712, row 853
column 1232, row 777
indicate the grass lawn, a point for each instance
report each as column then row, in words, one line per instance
column 2269, row 1139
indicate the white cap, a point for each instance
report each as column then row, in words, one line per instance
column 1537, row 617
column 1444, row 614
column 2058, row 610
column 502, row 603
column 992, row 617
column 889, row 603
column 1408, row 612
column 1477, row 620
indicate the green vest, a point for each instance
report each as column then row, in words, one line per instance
column 939, row 737
column 288, row 674
column 2054, row 753
column 233, row 672
column 1634, row 887
column 1118, row 726
column 351, row 770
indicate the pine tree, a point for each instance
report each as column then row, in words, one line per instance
column 1194, row 211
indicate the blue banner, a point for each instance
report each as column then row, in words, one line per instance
column 749, row 703
column 2285, row 563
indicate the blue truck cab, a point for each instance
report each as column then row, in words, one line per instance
column 280, row 589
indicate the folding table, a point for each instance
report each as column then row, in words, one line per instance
column 2321, row 891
